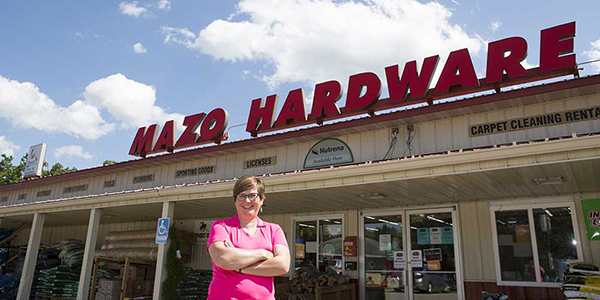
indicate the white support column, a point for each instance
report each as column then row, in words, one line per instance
column 88, row 254
column 35, row 236
column 161, row 260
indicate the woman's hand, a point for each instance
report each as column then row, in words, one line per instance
column 267, row 254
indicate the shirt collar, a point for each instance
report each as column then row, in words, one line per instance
column 259, row 223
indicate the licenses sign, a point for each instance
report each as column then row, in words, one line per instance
column 328, row 152
column 35, row 161
column 260, row 162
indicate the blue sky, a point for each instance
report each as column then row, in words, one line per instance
column 82, row 76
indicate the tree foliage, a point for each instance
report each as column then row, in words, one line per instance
column 108, row 162
column 175, row 271
column 56, row 169
column 9, row 172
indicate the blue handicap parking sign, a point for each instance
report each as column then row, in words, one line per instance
column 162, row 230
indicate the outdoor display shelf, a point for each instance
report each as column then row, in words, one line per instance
column 128, row 263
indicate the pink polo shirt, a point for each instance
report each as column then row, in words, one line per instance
column 229, row 285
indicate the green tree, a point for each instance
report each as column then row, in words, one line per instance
column 9, row 172
column 175, row 270
column 56, row 169
column 108, row 162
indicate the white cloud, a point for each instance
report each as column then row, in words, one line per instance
column 164, row 4
column 132, row 9
column 139, row 48
column 7, row 147
column 27, row 108
column 312, row 41
column 71, row 151
column 594, row 54
column 455, row 2
column 179, row 36
column 130, row 102
column 495, row 25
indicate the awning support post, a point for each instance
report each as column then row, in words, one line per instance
column 88, row 254
column 161, row 259
column 33, row 247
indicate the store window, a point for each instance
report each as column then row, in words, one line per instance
column 318, row 243
column 534, row 244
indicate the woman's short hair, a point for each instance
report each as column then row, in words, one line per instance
column 249, row 182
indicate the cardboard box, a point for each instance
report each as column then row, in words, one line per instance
column 137, row 273
column 149, row 290
column 150, row 273
column 139, row 288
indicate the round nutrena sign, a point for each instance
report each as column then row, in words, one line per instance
column 328, row 152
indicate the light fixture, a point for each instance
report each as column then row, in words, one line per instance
column 549, row 180
column 108, row 215
column 372, row 196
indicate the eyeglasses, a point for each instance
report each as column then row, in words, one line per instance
column 241, row 197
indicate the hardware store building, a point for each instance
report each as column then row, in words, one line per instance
column 434, row 203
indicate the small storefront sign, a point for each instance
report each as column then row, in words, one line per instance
column 385, row 242
column 416, row 259
column 556, row 118
column 435, row 235
column 447, row 235
column 423, row 236
column 350, row 246
column 399, row 260
column 162, row 230
column 433, row 254
column 591, row 212
column 202, row 229
column 35, row 160
column 260, row 162
column 328, row 152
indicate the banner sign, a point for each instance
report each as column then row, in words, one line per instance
column 328, row 152
column 35, row 161
column 557, row 118
column 591, row 213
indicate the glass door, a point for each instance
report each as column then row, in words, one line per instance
column 384, row 257
column 432, row 255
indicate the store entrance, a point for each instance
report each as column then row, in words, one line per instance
column 410, row 255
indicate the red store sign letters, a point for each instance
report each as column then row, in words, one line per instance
column 412, row 87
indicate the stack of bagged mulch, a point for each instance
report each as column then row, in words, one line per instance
column 63, row 280
column 195, row 284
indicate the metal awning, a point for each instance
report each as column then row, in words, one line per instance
column 480, row 174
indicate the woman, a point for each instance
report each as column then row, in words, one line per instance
column 246, row 251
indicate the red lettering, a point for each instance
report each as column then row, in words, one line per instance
column 143, row 141
column 326, row 95
column 457, row 71
column 371, row 82
column 262, row 115
column 293, row 110
column 189, row 135
column 166, row 139
column 555, row 43
column 418, row 84
column 497, row 62
column 214, row 125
